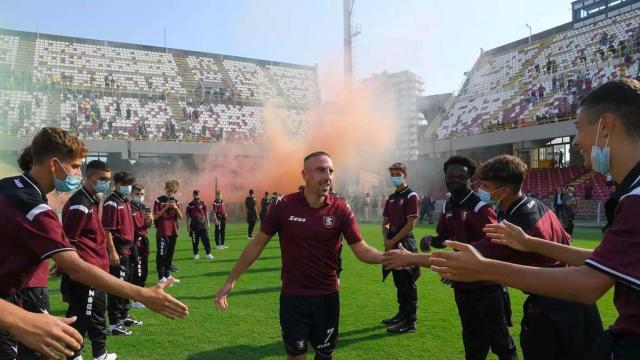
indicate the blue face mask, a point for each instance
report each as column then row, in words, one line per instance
column 125, row 190
column 70, row 183
column 397, row 180
column 600, row 156
column 102, row 186
column 485, row 196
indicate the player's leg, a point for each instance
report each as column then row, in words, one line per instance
column 35, row 299
column 495, row 323
column 296, row 314
column 538, row 335
column 194, row 242
column 97, row 323
column 161, row 257
column 223, row 229
column 204, row 237
column 73, row 294
column 407, row 296
column 325, row 328
column 475, row 340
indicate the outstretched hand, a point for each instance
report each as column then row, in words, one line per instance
column 159, row 301
column 509, row 235
column 466, row 264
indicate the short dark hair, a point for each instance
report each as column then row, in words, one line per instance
column 137, row 187
column 462, row 161
column 55, row 142
column 25, row 160
column 124, row 178
column 619, row 97
column 399, row 166
column 315, row 154
column 251, row 191
column 506, row 170
column 96, row 165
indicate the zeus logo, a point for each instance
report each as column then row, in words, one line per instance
column 298, row 219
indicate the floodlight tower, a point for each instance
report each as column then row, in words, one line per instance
column 350, row 33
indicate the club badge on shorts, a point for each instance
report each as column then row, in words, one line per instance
column 329, row 221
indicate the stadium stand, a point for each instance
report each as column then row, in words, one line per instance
column 22, row 112
column 8, row 50
column 522, row 84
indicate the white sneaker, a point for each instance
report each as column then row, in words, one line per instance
column 175, row 281
column 107, row 356
column 79, row 357
column 219, row 247
column 209, row 256
column 225, row 247
column 249, row 238
column 162, row 281
column 137, row 305
column 196, row 257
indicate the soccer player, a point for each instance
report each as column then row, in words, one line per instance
column 551, row 328
column 33, row 232
column 484, row 308
column 198, row 225
column 608, row 134
column 82, row 225
column 309, row 224
column 117, row 219
column 34, row 297
column 220, row 215
column 166, row 213
column 400, row 216
column 252, row 213
column 142, row 220
column 264, row 206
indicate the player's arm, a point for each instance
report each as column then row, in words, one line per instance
column 43, row 333
column 366, row 253
column 513, row 236
column 581, row 283
column 188, row 219
column 154, row 298
column 178, row 212
column 248, row 257
column 385, row 228
column 402, row 258
column 159, row 211
column 109, row 222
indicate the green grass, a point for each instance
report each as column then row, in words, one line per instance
column 250, row 328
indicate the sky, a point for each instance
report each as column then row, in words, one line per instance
column 438, row 40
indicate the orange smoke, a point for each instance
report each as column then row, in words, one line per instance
column 356, row 128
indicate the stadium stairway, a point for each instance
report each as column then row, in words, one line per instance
column 54, row 105
column 176, row 110
column 188, row 80
column 282, row 95
column 25, row 56
column 434, row 124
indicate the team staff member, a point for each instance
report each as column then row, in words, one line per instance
column 198, row 225
column 551, row 328
column 400, row 216
column 166, row 213
column 118, row 221
column 36, row 232
column 252, row 213
column 310, row 224
column 220, row 213
column 142, row 220
column 608, row 133
column 83, row 227
column 264, row 206
column 484, row 308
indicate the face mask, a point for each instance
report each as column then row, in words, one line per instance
column 102, row 186
column 397, row 180
column 70, row 183
column 486, row 197
column 600, row 156
column 137, row 200
column 457, row 188
column 125, row 190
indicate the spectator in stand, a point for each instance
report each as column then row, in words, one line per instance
column 558, row 205
column 588, row 191
column 366, row 205
column 128, row 113
column 540, row 92
column 561, row 158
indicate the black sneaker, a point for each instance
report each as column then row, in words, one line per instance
column 402, row 328
column 392, row 321
column 129, row 322
column 118, row 330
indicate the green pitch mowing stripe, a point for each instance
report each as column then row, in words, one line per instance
column 250, row 328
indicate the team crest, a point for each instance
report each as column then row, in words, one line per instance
column 464, row 215
column 401, row 202
column 329, row 221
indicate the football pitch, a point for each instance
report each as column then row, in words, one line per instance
column 249, row 330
